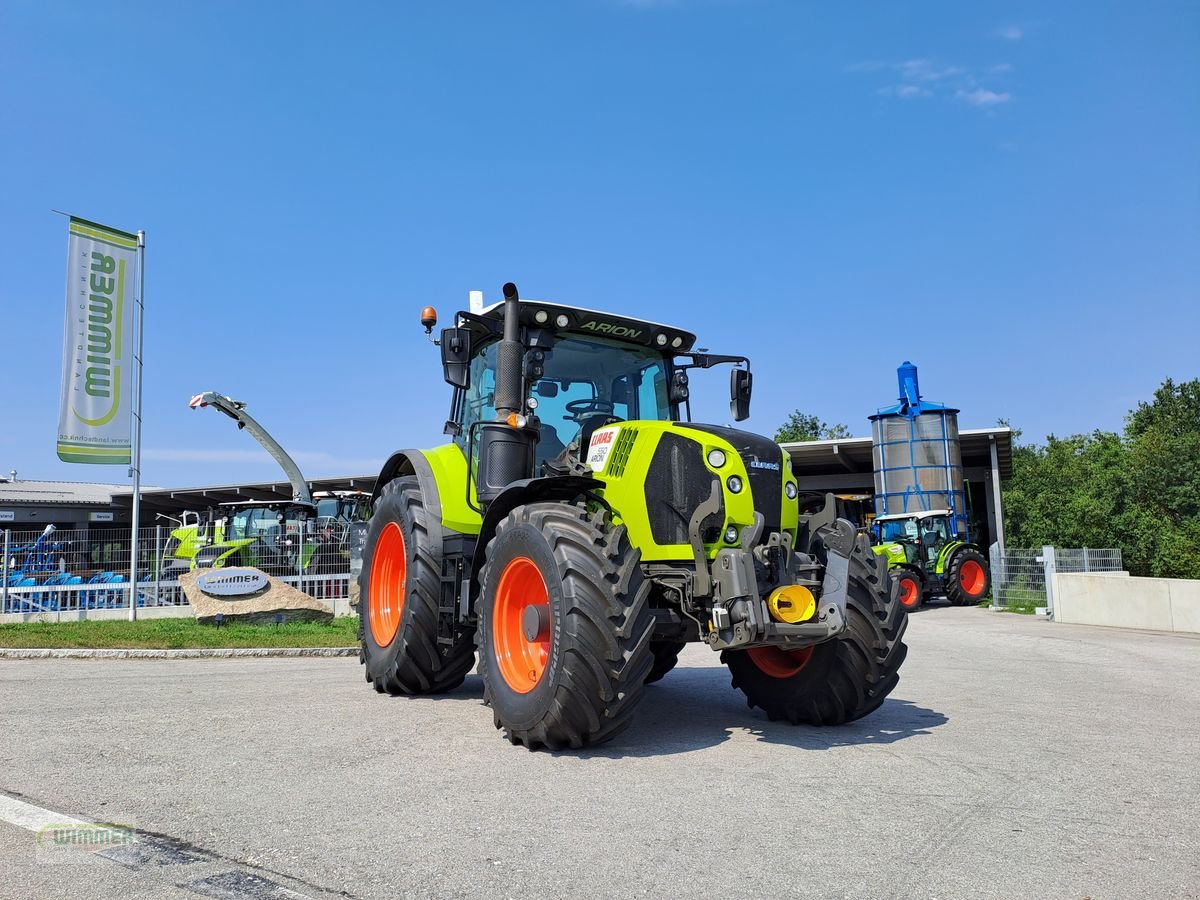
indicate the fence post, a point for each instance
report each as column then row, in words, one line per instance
column 1049, row 567
column 157, row 562
column 4, row 602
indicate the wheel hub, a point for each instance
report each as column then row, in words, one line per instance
column 521, row 625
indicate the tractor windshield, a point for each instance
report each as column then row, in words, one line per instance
column 898, row 530
column 586, row 382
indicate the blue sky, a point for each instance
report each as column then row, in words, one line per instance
column 1006, row 193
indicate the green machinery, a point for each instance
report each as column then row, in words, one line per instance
column 578, row 530
column 306, row 534
column 927, row 558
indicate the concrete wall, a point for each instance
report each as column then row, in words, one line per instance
column 1116, row 600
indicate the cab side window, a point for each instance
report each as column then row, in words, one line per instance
column 479, row 404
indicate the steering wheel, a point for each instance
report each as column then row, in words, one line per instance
column 582, row 408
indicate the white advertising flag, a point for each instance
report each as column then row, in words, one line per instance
column 97, row 375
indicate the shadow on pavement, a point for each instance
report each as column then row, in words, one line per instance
column 694, row 708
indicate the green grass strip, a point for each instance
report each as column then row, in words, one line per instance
column 176, row 634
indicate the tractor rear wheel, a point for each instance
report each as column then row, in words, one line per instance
column 844, row 678
column 399, row 588
column 666, row 655
column 968, row 578
column 909, row 588
column 564, row 627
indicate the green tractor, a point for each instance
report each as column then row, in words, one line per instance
column 266, row 534
column 927, row 558
column 579, row 530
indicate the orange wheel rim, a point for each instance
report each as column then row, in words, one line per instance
column 780, row 663
column 971, row 578
column 385, row 597
column 910, row 592
column 521, row 625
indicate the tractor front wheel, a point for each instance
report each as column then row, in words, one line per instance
column 909, row 588
column 968, row 578
column 844, row 678
column 564, row 627
column 398, row 608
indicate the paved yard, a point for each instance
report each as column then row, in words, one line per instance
column 1017, row 758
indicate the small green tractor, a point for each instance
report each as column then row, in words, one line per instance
column 927, row 558
column 578, row 530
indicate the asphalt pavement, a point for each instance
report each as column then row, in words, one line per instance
column 1017, row 758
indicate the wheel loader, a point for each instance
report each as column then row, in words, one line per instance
column 578, row 530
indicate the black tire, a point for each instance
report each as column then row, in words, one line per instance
column 597, row 627
column 666, row 655
column 910, row 588
column 845, row 678
column 411, row 662
column 967, row 591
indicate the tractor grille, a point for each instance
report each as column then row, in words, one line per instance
column 676, row 483
column 621, row 452
column 764, row 466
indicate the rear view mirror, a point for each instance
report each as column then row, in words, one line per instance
column 456, row 356
column 740, row 383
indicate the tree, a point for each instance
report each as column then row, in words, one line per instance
column 1139, row 491
column 803, row 427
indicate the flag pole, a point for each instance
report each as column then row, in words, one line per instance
column 136, row 468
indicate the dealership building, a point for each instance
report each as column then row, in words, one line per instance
column 842, row 467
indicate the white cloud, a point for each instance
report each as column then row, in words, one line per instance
column 921, row 77
column 905, row 91
column 1010, row 33
column 982, row 97
column 924, row 70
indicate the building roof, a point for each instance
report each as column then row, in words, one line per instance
column 58, row 493
column 176, row 500
column 854, row 454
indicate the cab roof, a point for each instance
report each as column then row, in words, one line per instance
column 594, row 323
column 924, row 514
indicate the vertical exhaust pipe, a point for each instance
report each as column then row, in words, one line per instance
column 509, row 356
column 506, row 454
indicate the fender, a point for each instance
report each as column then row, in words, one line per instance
column 527, row 490
column 952, row 551
column 411, row 462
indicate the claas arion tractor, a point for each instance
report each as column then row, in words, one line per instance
column 579, row 529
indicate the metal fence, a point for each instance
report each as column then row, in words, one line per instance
column 67, row 571
column 1019, row 577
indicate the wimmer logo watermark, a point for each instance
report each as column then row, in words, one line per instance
column 77, row 843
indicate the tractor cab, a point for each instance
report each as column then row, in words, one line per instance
column 338, row 510
column 921, row 535
column 582, row 370
column 272, row 535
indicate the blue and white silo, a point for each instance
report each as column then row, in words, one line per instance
column 918, row 462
